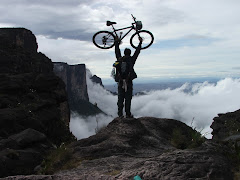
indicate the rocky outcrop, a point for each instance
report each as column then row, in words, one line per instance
column 18, row 37
column 226, row 125
column 74, row 76
column 97, row 80
column 226, row 130
column 151, row 148
column 34, row 113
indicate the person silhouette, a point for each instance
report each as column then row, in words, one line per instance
column 124, row 77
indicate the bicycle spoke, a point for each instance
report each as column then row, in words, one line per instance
column 104, row 40
column 147, row 39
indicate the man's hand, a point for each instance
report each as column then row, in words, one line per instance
column 116, row 39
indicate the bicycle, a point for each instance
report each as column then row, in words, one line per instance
column 106, row 39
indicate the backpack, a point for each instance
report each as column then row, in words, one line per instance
column 123, row 69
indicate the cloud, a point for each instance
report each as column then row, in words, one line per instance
column 64, row 30
column 192, row 38
column 55, row 19
column 104, row 99
column 73, row 19
column 202, row 103
column 83, row 127
column 189, row 41
column 78, row 52
column 196, row 105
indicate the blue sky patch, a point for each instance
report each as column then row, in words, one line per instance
column 184, row 42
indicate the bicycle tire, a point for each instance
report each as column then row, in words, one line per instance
column 147, row 37
column 103, row 39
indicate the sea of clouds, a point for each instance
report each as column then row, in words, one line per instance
column 194, row 104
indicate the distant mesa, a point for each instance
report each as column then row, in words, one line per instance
column 74, row 77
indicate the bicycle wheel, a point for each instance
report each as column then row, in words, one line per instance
column 103, row 39
column 146, row 36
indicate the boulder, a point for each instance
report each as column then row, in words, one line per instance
column 28, row 137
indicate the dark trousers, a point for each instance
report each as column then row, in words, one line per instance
column 127, row 96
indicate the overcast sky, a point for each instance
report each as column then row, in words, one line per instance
column 193, row 38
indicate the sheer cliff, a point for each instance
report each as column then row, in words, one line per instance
column 74, row 76
column 34, row 112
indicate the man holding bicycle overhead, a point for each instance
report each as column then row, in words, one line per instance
column 124, row 76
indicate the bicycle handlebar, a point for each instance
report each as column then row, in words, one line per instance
column 134, row 18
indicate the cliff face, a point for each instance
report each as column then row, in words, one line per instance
column 227, row 126
column 34, row 112
column 74, row 76
column 19, row 53
column 18, row 37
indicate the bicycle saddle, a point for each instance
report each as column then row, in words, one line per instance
column 109, row 23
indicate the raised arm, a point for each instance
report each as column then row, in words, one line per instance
column 137, row 52
column 117, row 49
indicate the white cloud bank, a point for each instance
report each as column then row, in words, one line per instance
column 202, row 102
column 83, row 127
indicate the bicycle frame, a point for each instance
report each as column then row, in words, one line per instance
column 129, row 27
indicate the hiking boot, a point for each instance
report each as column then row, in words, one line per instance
column 121, row 117
column 129, row 116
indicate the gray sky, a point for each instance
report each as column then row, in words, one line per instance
column 193, row 38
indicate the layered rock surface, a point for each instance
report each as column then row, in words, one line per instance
column 149, row 147
column 34, row 113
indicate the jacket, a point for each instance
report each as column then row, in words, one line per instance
column 130, row 60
